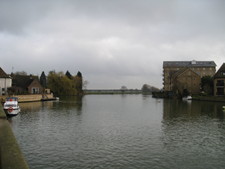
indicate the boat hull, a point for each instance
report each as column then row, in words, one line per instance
column 187, row 98
column 11, row 106
column 12, row 112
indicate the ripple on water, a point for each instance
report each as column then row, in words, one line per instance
column 120, row 132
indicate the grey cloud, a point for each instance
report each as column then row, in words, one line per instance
column 16, row 15
column 122, row 40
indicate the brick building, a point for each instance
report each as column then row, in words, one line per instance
column 5, row 82
column 219, row 81
column 26, row 84
column 186, row 75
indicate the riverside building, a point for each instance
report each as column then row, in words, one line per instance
column 179, row 76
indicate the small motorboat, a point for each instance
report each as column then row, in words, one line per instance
column 11, row 106
column 187, row 98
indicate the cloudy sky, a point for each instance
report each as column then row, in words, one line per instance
column 112, row 42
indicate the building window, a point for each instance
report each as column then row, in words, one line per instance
column 35, row 90
column 220, row 92
column 3, row 91
column 220, row 83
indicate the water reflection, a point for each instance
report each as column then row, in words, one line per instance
column 74, row 102
column 33, row 112
column 121, row 131
column 191, row 109
column 70, row 102
column 193, row 133
column 35, row 106
column 146, row 96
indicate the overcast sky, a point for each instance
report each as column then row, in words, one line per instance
column 111, row 42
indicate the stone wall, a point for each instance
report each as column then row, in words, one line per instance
column 219, row 87
column 31, row 97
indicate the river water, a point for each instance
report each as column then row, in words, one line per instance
column 121, row 131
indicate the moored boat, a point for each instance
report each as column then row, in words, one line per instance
column 11, row 106
column 187, row 98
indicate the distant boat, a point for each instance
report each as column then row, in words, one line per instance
column 11, row 106
column 187, row 98
column 223, row 108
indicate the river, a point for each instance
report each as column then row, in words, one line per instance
column 121, row 131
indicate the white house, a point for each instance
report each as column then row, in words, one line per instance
column 5, row 82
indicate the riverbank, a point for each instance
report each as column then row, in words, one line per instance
column 209, row 98
column 113, row 91
column 10, row 155
column 32, row 97
column 171, row 95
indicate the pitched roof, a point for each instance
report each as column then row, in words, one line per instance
column 221, row 72
column 3, row 74
column 23, row 80
column 192, row 63
column 181, row 71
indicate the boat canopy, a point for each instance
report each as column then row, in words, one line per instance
column 11, row 99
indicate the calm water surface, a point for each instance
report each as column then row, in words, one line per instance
column 121, row 131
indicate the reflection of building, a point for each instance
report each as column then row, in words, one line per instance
column 5, row 82
column 219, row 79
column 186, row 75
column 173, row 108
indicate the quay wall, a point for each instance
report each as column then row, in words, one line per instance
column 31, row 97
column 11, row 156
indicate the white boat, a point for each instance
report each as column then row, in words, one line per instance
column 187, row 98
column 11, row 106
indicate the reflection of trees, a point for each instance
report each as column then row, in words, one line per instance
column 64, row 104
column 70, row 102
column 34, row 110
column 35, row 106
column 36, row 113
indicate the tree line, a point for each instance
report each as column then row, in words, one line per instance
column 58, row 82
column 63, row 84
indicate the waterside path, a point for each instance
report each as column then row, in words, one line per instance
column 10, row 155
